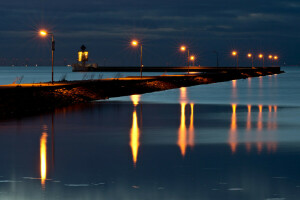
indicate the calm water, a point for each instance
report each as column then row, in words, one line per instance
column 231, row 140
column 43, row 74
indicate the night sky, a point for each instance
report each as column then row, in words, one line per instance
column 107, row 26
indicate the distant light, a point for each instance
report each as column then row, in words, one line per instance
column 260, row 55
column 192, row 58
column 270, row 56
column 275, row 57
column 249, row 55
column 134, row 43
column 43, row 33
column 183, row 48
column 234, row 53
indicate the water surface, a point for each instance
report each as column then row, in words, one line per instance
column 231, row 140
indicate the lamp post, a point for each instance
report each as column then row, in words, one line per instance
column 135, row 43
column 234, row 53
column 271, row 59
column 276, row 58
column 192, row 58
column 184, row 48
column 250, row 56
column 44, row 33
column 261, row 56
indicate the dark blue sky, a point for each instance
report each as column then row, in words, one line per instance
column 107, row 26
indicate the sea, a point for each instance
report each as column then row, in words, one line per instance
column 238, row 139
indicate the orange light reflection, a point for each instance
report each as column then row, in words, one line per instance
column 233, row 130
column 183, row 95
column 248, row 127
column 191, row 128
column 43, row 157
column 259, row 129
column 135, row 99
column 182, row 131
column 134, row 137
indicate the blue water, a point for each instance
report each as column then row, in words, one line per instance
column 232, row 140
column 43, row 74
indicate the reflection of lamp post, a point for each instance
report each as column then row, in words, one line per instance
column 192, row 58
column 234, row 53
column 136, row 43
column 250, row 56
column 44, row 34
column 261, row 56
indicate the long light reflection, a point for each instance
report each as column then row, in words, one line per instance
column 259, row 143
column 233, row 130
column 191, row 128
column 134, row 137
column 43, row 156
column 248, row 128
column 182, row 131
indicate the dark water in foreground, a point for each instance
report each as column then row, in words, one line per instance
column 232, row 140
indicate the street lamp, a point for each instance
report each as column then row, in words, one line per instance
column 135, row 43
column 271, row 59
column 250, row 56
column 261, row 56
column 44, row 33
column 234, row 53
column 184, row 48
column 192, row 58
column 275, row 58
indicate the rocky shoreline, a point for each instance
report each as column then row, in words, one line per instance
column 17, row 101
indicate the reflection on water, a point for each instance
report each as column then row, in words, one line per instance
column 134, row 137
column 248, row 129
column 191, row 128
column 231, row 151
column 234, row 89
column 135, row 99
column 266, row 133
column 259, row 143
column 170, row 132
column 182, row 131
column 43, row 156
column 135, row 132
column 233, row 130
column 185, row 137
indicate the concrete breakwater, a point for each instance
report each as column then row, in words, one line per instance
column 28, row 99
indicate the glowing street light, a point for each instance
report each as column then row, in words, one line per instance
column 192, row 58
column 183, row 49
column 261, row 56
column 234, row 53
column 250, row 56
column 271, row 59
column 44, row 33
column 275, row 58
column 135, row 43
